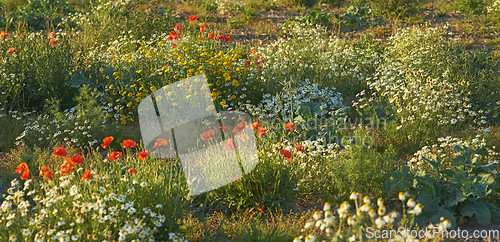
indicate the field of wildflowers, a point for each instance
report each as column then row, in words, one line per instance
column 353, row 137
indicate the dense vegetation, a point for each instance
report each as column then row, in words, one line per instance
column 399, row 129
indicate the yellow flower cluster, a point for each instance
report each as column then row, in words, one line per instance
column 156, row 64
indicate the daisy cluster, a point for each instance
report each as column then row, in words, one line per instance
column 74, row 19
column 229, row 6
column 72, row 130
column 494, row 9
column 330, row 60
column 286, row 106
column 348, row 222
column 308, row 149
column 307, row 156
column 415, row 93
column 447, row 150
column 69, row 210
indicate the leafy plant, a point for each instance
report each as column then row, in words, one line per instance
column 40, row 14
column 464, row 186
column 393, row 8
column 35, row 69
column 314, row 17
column 470, row 6
column 356, row 17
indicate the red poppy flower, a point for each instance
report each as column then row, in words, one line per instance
column 248, row 63
column 240, row 127
column 227, row 38
column 115, row 155
column 3, row 35
column 75, row 160
column 143, row 155
column 52, row 42
column 43, row 169
column 132, row 170
column 11, row 51
column 211, row 35
column 86, row 176
column 66, row 168
column 299, row 147
column 128, row 143
column 202, row 28
column 193, row 18
column 60, row 152
column 174, row 45
column 262, row 41
column 106, row 142
column 255, row 125
column 286, row 153
column 220, row 36
column 261, row 132
column 252, row 52
column 21, row 168
column 51, row 35
column 25, row 175
column 290, row 126
column 244, row 137
column 47, row 175
column 177, row 27
column 261, row 209
column 173, row 36
column 160, row 142
column 230, row 145
column 208, row 135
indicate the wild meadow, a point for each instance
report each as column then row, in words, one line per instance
column 368, row 117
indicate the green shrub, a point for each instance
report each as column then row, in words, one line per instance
column 39, row 14
column 454, row 178
column 356, row 17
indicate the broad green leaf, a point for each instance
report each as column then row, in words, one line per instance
column 456, row 197
column 480, row 209
column 433, row 160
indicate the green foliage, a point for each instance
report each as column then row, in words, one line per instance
column 314, row 17
column 208, row 5
column 262, row 232
column 39, row 14
column 356, row 17
column 465, row 186
column 470, row 6
column 269, row 187
column 11, row 128
column 34, row 71
column 356, row 168
column 82, row 126
column 102, row 23
column 394, row 8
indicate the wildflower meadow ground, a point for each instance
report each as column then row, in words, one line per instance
column 389, row 138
